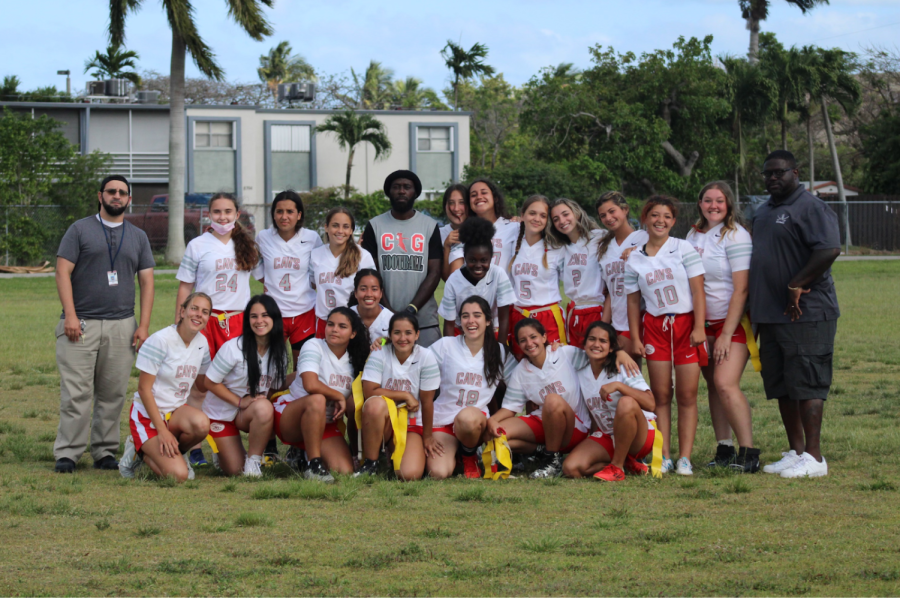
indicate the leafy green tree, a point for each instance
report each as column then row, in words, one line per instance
column 374, row 87
column 754, row 11
column 352, row 128
column 248, row 14
column 114, row 64
column 881, row 147
column 465, row 64
column 9, row 89
column 496, row 106
column 280, row 66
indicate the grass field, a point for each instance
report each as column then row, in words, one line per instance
column 96, row 534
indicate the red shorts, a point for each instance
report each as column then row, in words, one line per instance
column 320, row 328
column 331, row 431
column 714, row 329
column 607, row 442
column 665, row 334
column 625, row 333
column 221, row 429
column 299, row 328
column 544, row 317
column 577, row 321
column 421, row 431
column 217, row 334
column 537, row 426
column 142, row 428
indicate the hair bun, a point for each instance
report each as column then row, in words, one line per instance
column 477, row 231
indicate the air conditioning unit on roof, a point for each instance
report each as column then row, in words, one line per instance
column 96, row 88
column 297, row 92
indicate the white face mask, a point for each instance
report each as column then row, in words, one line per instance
column 222, row 229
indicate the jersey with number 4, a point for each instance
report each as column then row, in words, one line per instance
column 604, row 412
column 284, row 265
column 613, row 268
column 582, row 277
column 663, row 279
column 723, row 254
column 333, row 371
column 463, row 383
column 230, row 368
column 175, row 366
column 333, row 290
column 495, row 288
column 213, row 269
column 419, row 372
column 533, row 283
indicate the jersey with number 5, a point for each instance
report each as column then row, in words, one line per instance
column 533, row 283
column 175, row 366
column 663, row 279
column 333, row 290
column 284, row 265
column 212, row 266
column 613, row 268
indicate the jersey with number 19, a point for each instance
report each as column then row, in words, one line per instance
column 212, row 267
column 613, row 267
column 663, row 279
column 284, row 265
column 175, row 366
column 333, row 290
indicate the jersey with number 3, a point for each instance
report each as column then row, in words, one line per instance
column 582, row 277
column 533, row 283
column 175, row 366
column 333, row 290
column 284, row 265
column 613, row 267
column 663, row 279
column 212, row 266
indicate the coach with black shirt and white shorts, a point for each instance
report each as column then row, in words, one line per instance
column 793, row 300
column 408, row 251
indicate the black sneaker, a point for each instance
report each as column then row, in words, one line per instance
column 295, row 458
column 65, row 465
column 553, row 469
column 107, row 463
column 316, row 470
column 368, row 468
column 197, row 459
column 535, row 460
column 270, row 455
column 725, row 456
column 747, row 460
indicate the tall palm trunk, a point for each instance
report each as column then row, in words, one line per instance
column 456, row 95
column 349, row 168
column 175, row 245
column 753, row 26
column 837, row 172
column 812, row 154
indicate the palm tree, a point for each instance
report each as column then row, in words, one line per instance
column 786, row 69
column 9, row 89
column 410, row 95
column 185, row 38
column 352, row 128
column 113, row 65
column 754, row 11
column 465, row 65
column 375, row 87
column 280, row 66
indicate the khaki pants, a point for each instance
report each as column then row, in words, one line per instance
column 98, row 371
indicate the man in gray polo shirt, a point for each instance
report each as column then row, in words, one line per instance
column 793, row 300
column 96, row 337
column 407, row 249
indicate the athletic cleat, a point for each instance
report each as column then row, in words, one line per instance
column 270, row 455
column 610, row 473
column 130, row 461
column 187, row 462
column 684, row 467
column 215, row 461
column 252, row 466
column 316, row 470
column 295, row 458
column 470, row 467
column 667, row 465
column 553, row 469
column 725, row 456
column 787, row 460
column 368, row 468
column 535, row 460
column 197, row 459
column 635, row 467
column 806, row 466
column 747, row 460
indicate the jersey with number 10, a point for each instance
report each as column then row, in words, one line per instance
column 212, row 267
column 663, row 279
column 582, row 277
column 333, row 290
column 533, row 284
column 613, row 268
column 175, row 366
column 284, row 265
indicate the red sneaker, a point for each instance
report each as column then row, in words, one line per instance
column 635, row 467
column 470, row 467
column 610, row 473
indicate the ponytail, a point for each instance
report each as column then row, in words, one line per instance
column 246, row 252
column 351, row 256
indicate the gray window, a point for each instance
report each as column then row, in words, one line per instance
column 214, row 156
column 290, row 155
column 434, row 157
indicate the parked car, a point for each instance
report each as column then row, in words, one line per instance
column 155, row 221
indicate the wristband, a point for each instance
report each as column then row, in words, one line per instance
column 414, row 308
column 790, row 288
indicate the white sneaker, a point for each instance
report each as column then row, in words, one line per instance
column 667, row 465
column 683, row 467
column 806, row 466
column 130, row 461
column 187, row 461
column 786, row 461
column 252, row 466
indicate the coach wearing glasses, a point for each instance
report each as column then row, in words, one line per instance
column 97, row 335
column 793, row 300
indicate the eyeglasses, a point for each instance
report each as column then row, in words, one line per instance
column 114, row 192
column 775, row 174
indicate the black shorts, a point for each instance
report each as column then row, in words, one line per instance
column 797, row 359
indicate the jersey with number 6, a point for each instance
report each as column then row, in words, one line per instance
column 333, row 290
column 582, row 277
column 533, row 283
column 613, row 267
column 212, row 266
column 332, row 371
column 663, row 279
column 175, row 366
column 284, row 265
column 419, row 372
column 604, row 412
column 723, row 254
column 230, row 368
column 463, row 383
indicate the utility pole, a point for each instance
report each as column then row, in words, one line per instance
column 67, row 73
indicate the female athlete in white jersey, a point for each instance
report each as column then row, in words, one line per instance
column 368, row 290
column 534, row 271
column 725, row 247
column 578, row 235
column 335, row 265
column 407, row 375
column 472, row 366
column 238, row 384
column 307, row 415
column 667, row 273
column 486, row 201
column 456, row 209
column 163, row 425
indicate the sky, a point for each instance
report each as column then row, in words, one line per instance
column 39, row 37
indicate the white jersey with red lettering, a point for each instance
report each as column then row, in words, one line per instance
column 663, row 279
column 463, row 383
column 419, row 372
column 505, row 235
column 284, row 265
column 175, row 366
column 723, row 254
column 212, row 267
column 604, row 412
column 533, row 284
column 333, row 290
column 495, row 288
column 613, row 267
column 334, row 372
column 582, row 277
column 230, row 368
column 379, row 328
column 557, row 376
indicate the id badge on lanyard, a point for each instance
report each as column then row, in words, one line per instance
column 112, row 276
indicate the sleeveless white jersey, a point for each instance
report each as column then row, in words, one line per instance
column 663, row 278
column 284, row 265
column 604, row 412
column 332, row 290
column 316, row 357
column 723, row 254
column 613, row 268
column 558, row 376
column 495, row 288
column 230, row 368
column 462, row 378
column 582, row 276
column 505, row 235
column 419, row 372
column 532, row 283
column 379, row 328
column 175, row 366
column 212, row 267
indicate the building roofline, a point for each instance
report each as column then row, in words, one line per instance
column 165, row 107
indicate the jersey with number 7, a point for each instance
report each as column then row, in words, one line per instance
column 212, row 266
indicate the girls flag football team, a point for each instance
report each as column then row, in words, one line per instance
column 548, row 316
